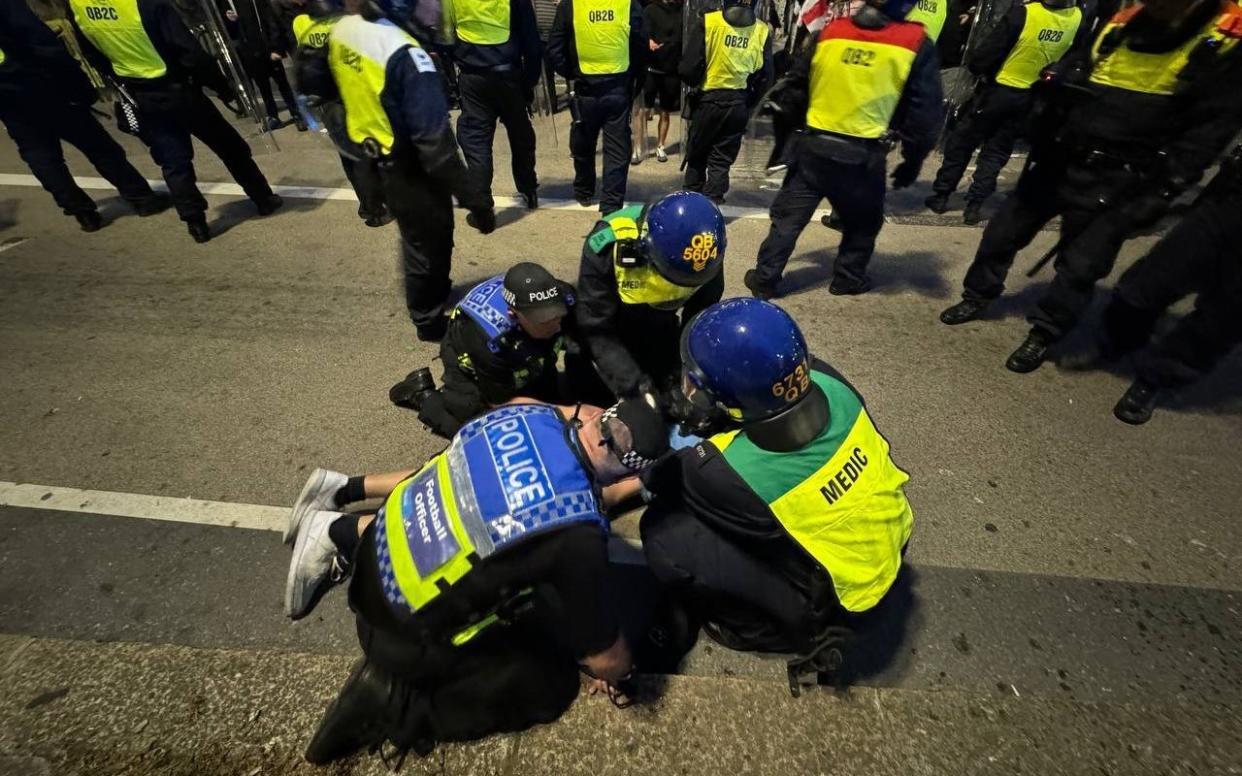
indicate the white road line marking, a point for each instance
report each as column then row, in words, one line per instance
column 347, row 195
column 12, row 243
column 191, row 510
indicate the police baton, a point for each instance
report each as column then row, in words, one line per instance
column 1043, row 260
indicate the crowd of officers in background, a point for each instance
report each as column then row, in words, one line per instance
column 1123, row 111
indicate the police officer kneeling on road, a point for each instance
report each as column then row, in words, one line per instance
column 867, row 76
column 728, row 61
column 790, row 521
column 645, row 271
column 481, row 585
column 504, row 339
column 1135, row 122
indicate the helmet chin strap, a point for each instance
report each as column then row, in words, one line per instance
column 793, row 428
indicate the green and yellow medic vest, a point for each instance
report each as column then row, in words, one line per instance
column 358, row 54
column 312, row 33
column 115, row 28
column 636, row 283
column 508, row 475
column 857, row 76
column 1135, row 71
column 840, row 497
column 481, row 22
column 931, row 14
column 1046, row 35
column 602, row 36
column 733, row 53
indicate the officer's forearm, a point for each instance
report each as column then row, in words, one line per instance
column 618, row 369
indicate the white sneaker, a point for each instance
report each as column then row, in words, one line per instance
column 636, row 158
column 317, row 493
column 311, row 568
column 661, row 156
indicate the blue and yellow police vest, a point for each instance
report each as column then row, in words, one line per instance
column 641, row 283
column 485, row 305
column 115, row 28
column 1136, row 71
column 840, row 497
column 733, row 53
column 857, row 76
column 358, row 55
column 932, row 15
column 310, row 32
column 511, row 474
column 481, row 22
column 1047, row 33
column 602, row 36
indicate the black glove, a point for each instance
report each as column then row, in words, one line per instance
column 483, row 219
column 906, row 173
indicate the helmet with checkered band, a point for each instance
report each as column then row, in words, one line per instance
column 685, row 238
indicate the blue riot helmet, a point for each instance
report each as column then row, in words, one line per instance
column 746, row 357
column 685, row 238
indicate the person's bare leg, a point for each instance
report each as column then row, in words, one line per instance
column 640, row 130
column 666, row 119
column 380, row 485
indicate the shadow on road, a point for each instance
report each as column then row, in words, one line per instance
column 920, row 272
column 8, row 213
column 240, row 210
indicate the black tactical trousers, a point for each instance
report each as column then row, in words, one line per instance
column 851, row 176
column 713, row 142
column 1099, row 209
column 460, row 398
column 424, row 214
column 485, row 99
column 1201, row 255
column 168, row 119
column 993, row 119
column 38, row 130
column 603, row 110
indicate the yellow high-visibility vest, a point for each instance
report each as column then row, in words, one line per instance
column 840, row 497
column 115, row 28
column 311, row 32
column 733, row 53
column 931, row 14
column 857, row 76
column 2, row 56
column 602, row 36
column 482, row 22
column 642, row 284
column 1136, row 71
column 1047, row 33
column 358, row 54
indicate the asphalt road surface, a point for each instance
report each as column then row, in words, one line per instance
column 1071, row 606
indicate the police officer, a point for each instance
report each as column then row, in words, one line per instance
column 645, row 271
column 396, row 111
column 45, row 99
column 728, row 59
column 602, row 47
column 1150, row 112
column 304, row 27
column 504, row 339
column 147, row 48
column 1200, row 255
column 793, row 518
column 496, row 47
column 1030, row 38
column 481, row 586
column 931, row 14
column 868, row 75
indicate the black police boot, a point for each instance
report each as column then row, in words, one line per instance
column 410, row 392
column 758, row 290
column 358, row 718
column 585, row 200
column 198, row 230
column 1030, row 354
column 973, row 213
column 299, row 122
column 376, row 221
column 89, row 221
column 482, row 220
column 531, row 198
column 832, row 221
column 434, row 331
column 269, row 204
column 156, row 203
column 839, row 288
column 1137, row 403
column 937, row 203
column 963, row 311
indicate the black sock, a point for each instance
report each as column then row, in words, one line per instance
column 352, row 493
column 344, row 534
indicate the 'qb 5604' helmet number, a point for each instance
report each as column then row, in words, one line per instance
column 701, row 250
